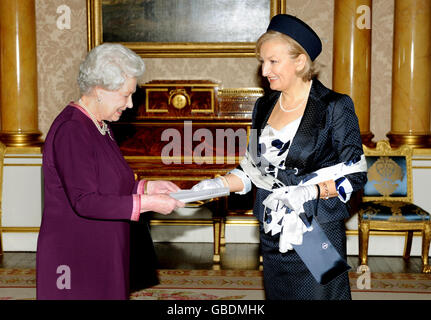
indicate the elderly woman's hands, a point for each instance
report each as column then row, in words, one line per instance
column 160, row 203
column 161, row 186
column 157, row 197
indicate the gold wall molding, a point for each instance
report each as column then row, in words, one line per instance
column 22, row 165
column 242, row 222
column 24, row 150
column 23, row 157
column 421, row 152
column 181, row 222
column 21, row 229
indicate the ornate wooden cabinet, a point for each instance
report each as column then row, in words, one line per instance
column 185, row 131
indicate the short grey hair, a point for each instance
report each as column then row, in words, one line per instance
column 108, row 66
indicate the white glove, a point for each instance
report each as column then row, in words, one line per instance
column 209, row 184
column 295, row 196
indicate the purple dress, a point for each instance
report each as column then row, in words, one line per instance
column 83, row 246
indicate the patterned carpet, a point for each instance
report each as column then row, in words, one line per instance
column 205, row 285
column 20, row 284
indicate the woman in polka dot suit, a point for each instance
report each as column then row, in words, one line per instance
column 305, row 157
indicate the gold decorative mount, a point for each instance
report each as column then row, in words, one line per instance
column 243, row 92
column 179, row 98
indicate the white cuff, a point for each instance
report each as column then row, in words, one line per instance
column 245, row 180
column 344, row 189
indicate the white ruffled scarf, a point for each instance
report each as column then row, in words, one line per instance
column 285, row 220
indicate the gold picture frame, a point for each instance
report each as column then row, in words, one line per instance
column 176, row 49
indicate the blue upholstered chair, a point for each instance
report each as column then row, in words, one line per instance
column 387, row 202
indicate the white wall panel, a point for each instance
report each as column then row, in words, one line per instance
column 21, row 200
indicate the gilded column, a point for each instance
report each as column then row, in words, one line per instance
column 411, row 74
column 18, row 74
column 352, row 58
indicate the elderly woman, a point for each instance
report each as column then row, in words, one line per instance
column 90, row 194
column 305, row 157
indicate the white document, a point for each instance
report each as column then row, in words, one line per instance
column 190, row 195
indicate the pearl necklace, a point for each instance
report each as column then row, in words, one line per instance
column 102, row 128
column 296, row 108
column 290, row 110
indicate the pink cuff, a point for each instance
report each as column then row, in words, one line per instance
column 141, row 187
column 136, row 211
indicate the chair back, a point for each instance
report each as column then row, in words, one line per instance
column 389, row 173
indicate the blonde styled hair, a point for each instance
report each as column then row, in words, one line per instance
column 310, row 69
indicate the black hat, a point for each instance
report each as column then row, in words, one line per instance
column 299, row 31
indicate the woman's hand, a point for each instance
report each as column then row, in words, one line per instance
column 295, row 196
column 161, row 186
column 160, row 203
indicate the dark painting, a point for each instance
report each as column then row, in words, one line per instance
column 196, row 21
